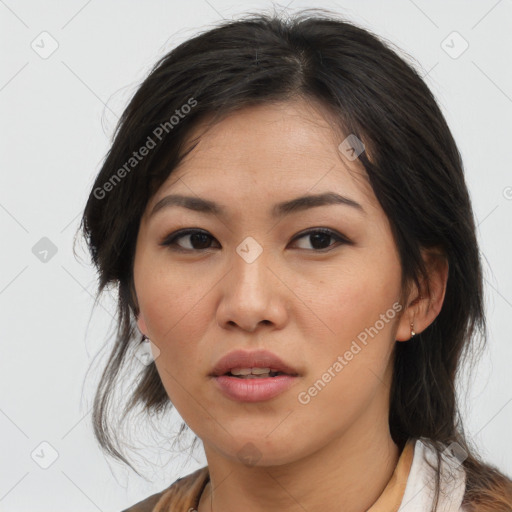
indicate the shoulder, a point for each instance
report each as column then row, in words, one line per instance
column 182, row 494
column 147, row 504
column 426, row 465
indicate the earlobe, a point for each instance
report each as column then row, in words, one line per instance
column 424, row 307
column 408, row 325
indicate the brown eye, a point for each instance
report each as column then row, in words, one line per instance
column 197, row 240
column 319, row 238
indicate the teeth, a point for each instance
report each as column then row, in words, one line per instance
column 251, row 376
column 249, row 371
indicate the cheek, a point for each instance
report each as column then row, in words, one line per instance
column 350, row 357
column 354, row 342
column 168, row 300
column 173, row 306
column 169, row 304
column 350, row 300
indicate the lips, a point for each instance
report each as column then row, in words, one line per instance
column 238, row 359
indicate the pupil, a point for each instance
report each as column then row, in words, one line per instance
column 202, row 237
column 317, row 236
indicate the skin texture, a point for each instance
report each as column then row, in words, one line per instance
column 307, row 303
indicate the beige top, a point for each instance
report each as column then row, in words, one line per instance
column 185, row 492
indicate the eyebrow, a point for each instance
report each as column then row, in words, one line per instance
column 298, row 204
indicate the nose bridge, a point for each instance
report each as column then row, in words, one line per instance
column 250, row 294
column 250, row 268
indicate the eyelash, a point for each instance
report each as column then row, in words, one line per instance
column 170, row 240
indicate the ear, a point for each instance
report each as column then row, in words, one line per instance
column 423, row 307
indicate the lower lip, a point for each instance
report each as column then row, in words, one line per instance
column 254, row 390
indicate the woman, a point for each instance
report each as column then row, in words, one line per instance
column 244, row 148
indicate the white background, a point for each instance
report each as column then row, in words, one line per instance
column 57, row 116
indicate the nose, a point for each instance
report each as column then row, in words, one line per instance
column 252, row 294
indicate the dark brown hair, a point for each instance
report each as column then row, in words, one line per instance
column 414, row 168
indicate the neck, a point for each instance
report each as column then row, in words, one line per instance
column 348, row 474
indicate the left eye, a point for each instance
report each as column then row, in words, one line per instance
column 318, row 237
column 199, row 240
column 196, row 237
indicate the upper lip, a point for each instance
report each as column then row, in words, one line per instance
column 251, row 359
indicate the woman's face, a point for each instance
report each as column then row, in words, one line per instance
column 262, row 277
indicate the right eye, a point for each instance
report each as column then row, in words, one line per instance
column 198, row 240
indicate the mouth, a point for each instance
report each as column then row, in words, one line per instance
column 253, row 376
column 255, row 373
column 252, row 365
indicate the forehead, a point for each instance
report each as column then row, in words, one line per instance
column 273, row 150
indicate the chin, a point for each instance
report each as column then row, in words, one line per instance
column 260, row 450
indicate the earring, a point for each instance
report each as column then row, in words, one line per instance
column 412, row 331
column 144, row 338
